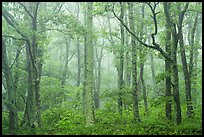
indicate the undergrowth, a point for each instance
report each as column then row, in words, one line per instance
column 62, row 121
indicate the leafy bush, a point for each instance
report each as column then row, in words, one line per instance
column 5, row 122
column 64, row 120
column 61, row 119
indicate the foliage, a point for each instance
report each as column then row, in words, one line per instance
column 101, row 8
column 60, row 121
column 5, row 122
column 161, row 77
column 61, row 107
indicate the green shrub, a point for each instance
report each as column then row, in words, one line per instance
column 5, row 122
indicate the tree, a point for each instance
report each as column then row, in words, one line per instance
column 153, row 72
column 127, row 57
column 134, row 65
column 142, row 61
column 167, row 62
column 34, row 57
column 89, row 83
column 121, row 61
column 78, row 54
column 157, row 47
column 10, row 90
column 85, row 65
column 92, row 65
column 99, row 56
column 184, row 62
column 175, row 81
column 67, row 60
column 193, row 40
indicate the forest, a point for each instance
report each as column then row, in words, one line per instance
column 101, row 68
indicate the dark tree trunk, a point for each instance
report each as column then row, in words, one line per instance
column 15, row 84
column 144, row 93
column 10, row 90
column 184, row 63
column 176, row 78
column 28, row 118
column 187, row 79
column 167, row 62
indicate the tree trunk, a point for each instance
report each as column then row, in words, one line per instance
column 28, row 118
column 78, row 70
column 153, row 72
column 176, row 78
column 144, row 93
column 194, row 73
column 32, row 57
column 191, row 40
column 185, row 65
column 15, row 84
column 10, row 90
column 187, row 79
column 121, row 61
column 127, row 66
column 193, row 57
column 78, row 63
column 37, row 66
column 85, row 66
column 167, row 62
column 134, row 66
column 98, row 81
column 89, row 86
column 64, row 75
column 78, row 57
column 142, row 60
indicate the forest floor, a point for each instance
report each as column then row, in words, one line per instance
column 63, row 121
column 106, row 129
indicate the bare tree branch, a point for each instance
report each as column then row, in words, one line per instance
column 42, row 102
column 71, row 56
column 17, row 55
column 156, row 46
column 9, row 36
column 24, row 100
column 185, row 8
column 155, row 22
column 60, row 6
column 36, row 9
column 25, row 8
column 181, row 16
column 9, row 18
